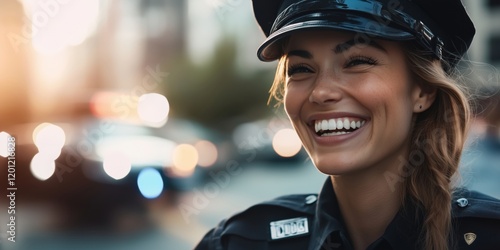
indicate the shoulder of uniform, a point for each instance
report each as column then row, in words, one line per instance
column 472, row 204
column 254, row 223
column 297, row 204
column 476, row 219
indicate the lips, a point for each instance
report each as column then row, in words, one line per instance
column 337, row 126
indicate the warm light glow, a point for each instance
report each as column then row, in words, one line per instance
column 207, row 152
column 116, row 165
column 42, row 166
column 56, row 25
column 153, row 109
column 286, row 142
column 150, row 183
column 49, row 139
column 101, row 103
column 142, row 151
column 185, row 159
column 4, row 149
column 114, row 105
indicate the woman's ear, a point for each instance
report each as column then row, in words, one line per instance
column 423, row 97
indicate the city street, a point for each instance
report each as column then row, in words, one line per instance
column 173, row 227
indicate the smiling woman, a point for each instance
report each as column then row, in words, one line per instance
column 366, row 85
column 370, row 88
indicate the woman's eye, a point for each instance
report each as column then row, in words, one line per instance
column 294, row 69
column 360, row 60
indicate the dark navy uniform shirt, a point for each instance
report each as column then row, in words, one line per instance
column 314, row 222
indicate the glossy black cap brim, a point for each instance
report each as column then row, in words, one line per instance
column 271, row 49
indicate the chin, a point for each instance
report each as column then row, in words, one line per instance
column 333, row 167
column 331, row 170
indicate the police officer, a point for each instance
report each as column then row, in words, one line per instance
column 370, row 87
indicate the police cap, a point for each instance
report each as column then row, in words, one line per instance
column 441, row 27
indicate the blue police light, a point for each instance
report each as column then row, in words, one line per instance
column 150, row 183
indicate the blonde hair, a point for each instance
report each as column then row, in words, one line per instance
column 277, row 90
column 438, row 137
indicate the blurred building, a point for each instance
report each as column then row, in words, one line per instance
column 210, row 21
column 486, row 17
column 13, row 65
column 164, row 24
column 480, row 164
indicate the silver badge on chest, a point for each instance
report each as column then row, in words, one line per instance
column 289, row 228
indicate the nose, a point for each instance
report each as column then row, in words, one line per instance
column 325, row 90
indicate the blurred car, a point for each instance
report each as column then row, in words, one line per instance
column 267, row 140
column 94, row 171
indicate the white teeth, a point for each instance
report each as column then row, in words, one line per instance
column 332, row 125
column 337, row 124
column 340, row 124
column 324, row 124
column 336, row 133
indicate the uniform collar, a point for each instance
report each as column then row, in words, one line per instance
column 329, row 229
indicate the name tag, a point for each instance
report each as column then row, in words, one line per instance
column 288, row 228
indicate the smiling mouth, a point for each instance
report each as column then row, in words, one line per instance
column 338, row 126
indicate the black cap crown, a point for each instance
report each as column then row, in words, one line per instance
column 441, row 26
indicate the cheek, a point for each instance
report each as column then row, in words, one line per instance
column 293, row 102
column 392, row 92
column 391, row 106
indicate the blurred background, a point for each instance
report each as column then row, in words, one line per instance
column 141, row 124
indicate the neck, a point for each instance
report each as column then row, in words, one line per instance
column 368, row 204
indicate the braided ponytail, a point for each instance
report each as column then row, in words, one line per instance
column 439, row 135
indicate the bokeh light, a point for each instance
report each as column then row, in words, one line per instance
column 150, row 183
column 42, row 166
column 4, row 137
column 153, row 109
column 116, row 165
column 59, row 24
column 142, row 151
column 286, row 142
column 49, row 139
column 185, row 159
column 207, row 153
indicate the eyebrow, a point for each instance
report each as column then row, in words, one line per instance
column 340, row 48
column 300, row 53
